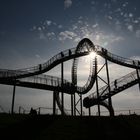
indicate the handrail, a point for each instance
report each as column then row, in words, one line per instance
column 66, row 55
column 84, row 47
column 124, row 80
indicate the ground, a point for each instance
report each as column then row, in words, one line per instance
column 47, row 127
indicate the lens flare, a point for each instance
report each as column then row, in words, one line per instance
column 92, row 55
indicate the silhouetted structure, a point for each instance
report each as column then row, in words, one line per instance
column 33, row 111
column 69, row 52
column 27, row 78
column 40, row 67
column 115, row 84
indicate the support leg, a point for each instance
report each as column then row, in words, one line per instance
column 71, row 104
column 81, row 105
column 74, row 104
column 62, row 94
column 13, row 99
column 108, row 82
column 89, row 111
column 97, row 88
column 138, row 76
column 54, row 103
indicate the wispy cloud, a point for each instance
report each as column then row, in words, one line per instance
column 135, row 57
column 48, row 22
column 78, row 30
column 130, row 28
column 66, row 35
column 67, row 3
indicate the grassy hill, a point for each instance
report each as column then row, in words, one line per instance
column 47, row 127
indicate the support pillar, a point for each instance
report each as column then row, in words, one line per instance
column 54, row 103
column 74, row 104
column 89, row 109
column 97, row 88
column 72, row 110
column 62, row 94
column 81, row 105
column 13, row 99
column 138, row 76
column 108, row 82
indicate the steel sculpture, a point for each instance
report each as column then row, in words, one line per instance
column 33, row 77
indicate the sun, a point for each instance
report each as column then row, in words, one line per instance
column 89, row 57
column 92, row 55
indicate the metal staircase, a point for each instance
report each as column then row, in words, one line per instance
column 42, row 68
column 41, row 81
column 116, row 86
column 33, row 77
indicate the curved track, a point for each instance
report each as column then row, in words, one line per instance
column 85, row 44
column 83, row 48
column 27, row 77
column 123, row 83
column 67, row 55
column 31, row 77
column 42, row 68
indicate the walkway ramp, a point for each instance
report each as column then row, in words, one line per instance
column 116, row 87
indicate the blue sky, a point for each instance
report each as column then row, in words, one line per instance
column 33, row 31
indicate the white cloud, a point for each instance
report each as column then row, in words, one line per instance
column 78, row 30
column 51, row 35
column 95, row 25
column 60, row 26
column 80, row 21
column 130, row 28
column 67, row 3
column 136, row 21
column 74, row 27
column 37, row 56
column 92, row 2
column 67, row 35
column 97, row 37
column 77, row 39
column 48, row 22
column 48, row 35
column 117, row 38
column 135, row 57
column 39, row 29
column 130, row 15
column 125, row 4
column 110, row 17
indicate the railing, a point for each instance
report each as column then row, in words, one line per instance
column 117, row 59
column 49, row 110
column 46, row 80
column 41, row 68
column 119, row 83
column 84, row 49
column 123, row 112
column 65, row 54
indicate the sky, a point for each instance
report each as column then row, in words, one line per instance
column 33, row 31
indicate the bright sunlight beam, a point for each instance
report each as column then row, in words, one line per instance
column 89, row 57
column 92, row 55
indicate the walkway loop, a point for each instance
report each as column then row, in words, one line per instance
column 33, row 77
column 84, row 45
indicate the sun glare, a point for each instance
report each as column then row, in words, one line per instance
column 89, row 57
column 92, row 55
